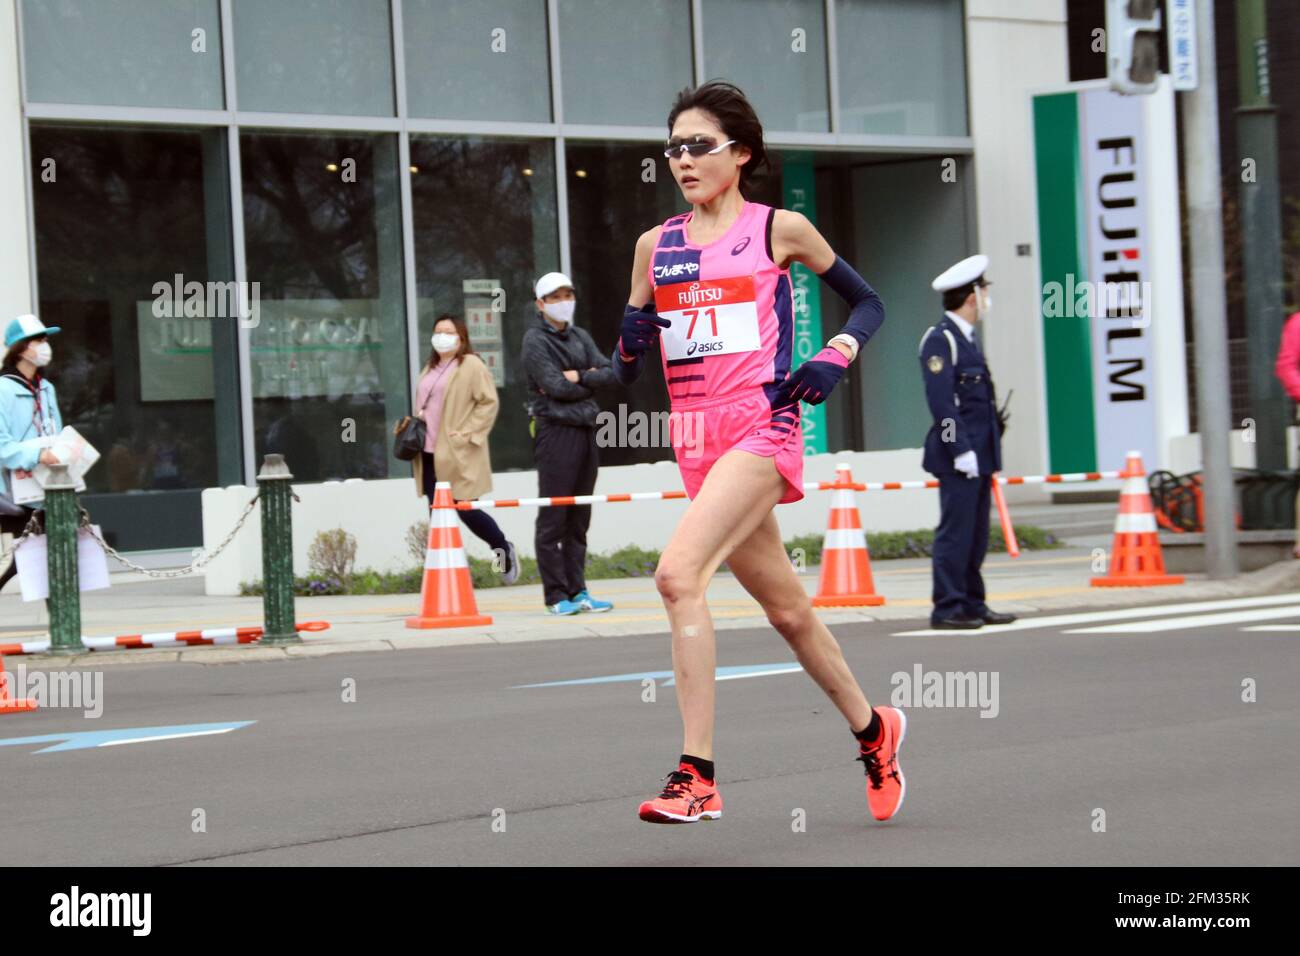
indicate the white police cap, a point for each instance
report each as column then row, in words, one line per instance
column 963, row 273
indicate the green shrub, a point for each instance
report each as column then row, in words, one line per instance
column 628, row 562
column 417, row 541
column 332, row 555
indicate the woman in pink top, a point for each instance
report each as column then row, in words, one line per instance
column 711, row 289
column 1288, row 370
column 457, row 399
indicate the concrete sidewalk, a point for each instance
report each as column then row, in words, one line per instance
column 1036, row 581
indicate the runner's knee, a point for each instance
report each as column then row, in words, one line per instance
column 677, row 581
column 790, row 620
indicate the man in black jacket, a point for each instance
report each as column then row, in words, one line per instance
column 563, row 367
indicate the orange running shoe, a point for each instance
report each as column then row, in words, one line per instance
column 885, row 784
column 685, row 799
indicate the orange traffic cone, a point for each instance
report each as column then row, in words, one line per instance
column 1136, row 560
column 447, row 594
column 8, row 703
column 846, row 566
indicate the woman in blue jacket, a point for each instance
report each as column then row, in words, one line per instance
column 29, row 415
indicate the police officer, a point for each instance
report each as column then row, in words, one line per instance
column 963, row 448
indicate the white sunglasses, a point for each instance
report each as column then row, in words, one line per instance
column 675, row 148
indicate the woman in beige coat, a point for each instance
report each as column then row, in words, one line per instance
column 457, row 399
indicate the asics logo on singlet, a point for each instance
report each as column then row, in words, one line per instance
column 695, row 347
column 693, row 295
column 740, row 246
column 677, row 269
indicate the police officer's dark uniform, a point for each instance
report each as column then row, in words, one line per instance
column 963, row 449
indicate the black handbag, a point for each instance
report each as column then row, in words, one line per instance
column 410, row 435
column 10, row 510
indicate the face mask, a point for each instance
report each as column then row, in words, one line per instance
column 444, row 342
column 983, row 303
column 561, row 311
column 39, row 354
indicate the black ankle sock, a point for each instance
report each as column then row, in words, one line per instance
column 870, row 735
column 705, row 767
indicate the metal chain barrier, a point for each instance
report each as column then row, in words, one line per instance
column 170, row 572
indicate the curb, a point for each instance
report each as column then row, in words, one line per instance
column 1275, row 579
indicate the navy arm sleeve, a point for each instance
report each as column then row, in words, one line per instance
column 627, row 372
column 866, row 311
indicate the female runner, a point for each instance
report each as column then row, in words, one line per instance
column 711, row 287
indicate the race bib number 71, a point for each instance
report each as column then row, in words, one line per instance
column 715, row 317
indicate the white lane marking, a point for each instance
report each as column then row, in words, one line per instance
column 796, row 669
column 1273, row 627
column 145, row 740
column 1087, row 617
column 1196, row 620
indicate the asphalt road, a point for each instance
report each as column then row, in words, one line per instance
column 441, row 744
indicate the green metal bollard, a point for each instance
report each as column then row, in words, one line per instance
column 277, row 552
column 61, row 519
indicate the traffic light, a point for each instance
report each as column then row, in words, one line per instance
column 1133, row 45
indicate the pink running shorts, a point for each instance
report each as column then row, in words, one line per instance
column 705, row 431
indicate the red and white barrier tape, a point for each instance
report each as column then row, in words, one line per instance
column 561, row 500
column 565, row 500
column 164, row 639
column 934, row 482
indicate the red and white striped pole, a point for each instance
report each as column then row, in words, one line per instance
column 162, row 639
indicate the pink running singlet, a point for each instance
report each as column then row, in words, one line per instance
column 729, row 347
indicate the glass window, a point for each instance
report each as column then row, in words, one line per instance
column 134, row 258
column 598, row 86
column 485, row 60
column 906, row 227
column 485, row 230
column 123, row 52
column 328, row 353
column 774, row 50
column 314, row 56
column 902, row 67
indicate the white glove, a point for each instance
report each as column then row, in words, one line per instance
column 966, row 464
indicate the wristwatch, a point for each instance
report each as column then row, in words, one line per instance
column 848, row 341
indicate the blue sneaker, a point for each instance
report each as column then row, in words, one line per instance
column 588, row 603
column 564, row 607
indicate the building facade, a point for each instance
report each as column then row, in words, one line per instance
column 246, row 216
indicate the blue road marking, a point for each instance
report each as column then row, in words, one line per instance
column 722, row 673
column 83, row 740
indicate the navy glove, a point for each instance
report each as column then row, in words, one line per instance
column 813, row 380
column 640, row 330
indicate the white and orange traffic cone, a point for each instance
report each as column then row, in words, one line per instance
column 447, row 594
column 8, row 703
column 1136, row 560
column 846, row 566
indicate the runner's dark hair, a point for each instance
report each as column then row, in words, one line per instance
column 729, row 106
